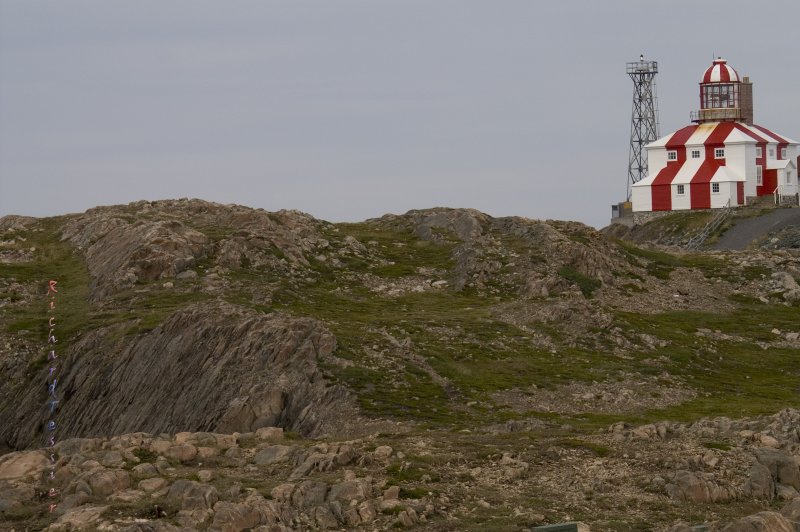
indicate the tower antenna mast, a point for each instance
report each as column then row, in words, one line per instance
column 644, row 117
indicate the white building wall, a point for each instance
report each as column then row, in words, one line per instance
column 656, row 160
column 642, row 198
column 790, row 188
column 749, row 167
column 727, row 191
column 681, row 202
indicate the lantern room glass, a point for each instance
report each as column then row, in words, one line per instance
column 719, row 96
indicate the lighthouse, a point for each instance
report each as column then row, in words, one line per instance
column 722, row 158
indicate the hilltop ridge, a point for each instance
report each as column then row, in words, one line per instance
column 524, row 336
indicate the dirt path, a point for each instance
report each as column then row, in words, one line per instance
column 746, row 231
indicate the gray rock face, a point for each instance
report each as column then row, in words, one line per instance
column 119, row 253
column 792, row 513
column 177, row 378
column 781, row 466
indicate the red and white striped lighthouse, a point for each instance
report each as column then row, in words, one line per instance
column 723, row 158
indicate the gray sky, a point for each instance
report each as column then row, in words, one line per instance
column 351, row 109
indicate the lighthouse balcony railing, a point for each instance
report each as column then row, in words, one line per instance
column 721, row 114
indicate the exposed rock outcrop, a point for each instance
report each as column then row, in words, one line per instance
column 208, row 367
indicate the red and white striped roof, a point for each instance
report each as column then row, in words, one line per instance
column 720, row 133
column 720, row 72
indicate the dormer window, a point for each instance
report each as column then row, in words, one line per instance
column 719, row 153
column 783, row 153
column 759, row 152
column 695, row 154
column 772, row 153
column 672, row 155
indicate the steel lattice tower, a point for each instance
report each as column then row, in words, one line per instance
column 644, row 117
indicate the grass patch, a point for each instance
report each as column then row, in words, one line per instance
column 594, row 448
column 587, row 284
column 718, row 445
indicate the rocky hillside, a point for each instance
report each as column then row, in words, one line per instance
column 519, row 372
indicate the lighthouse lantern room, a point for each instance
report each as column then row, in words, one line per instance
column 723, row 158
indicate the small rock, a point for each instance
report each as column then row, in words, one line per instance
column 205, row 475
column 150, row 485
column 382, row 453
column 768, row 441
column 187, row 274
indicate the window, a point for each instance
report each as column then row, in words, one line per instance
column 759, row 175
column 695, row 154
column 772, row 153
column 783, row 153
column 719, row 153
column 681, row 190
column 715, row 188
column 759, row 152
column 788, row 178
column 672, row 155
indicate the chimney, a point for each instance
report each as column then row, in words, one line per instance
column 746, row 101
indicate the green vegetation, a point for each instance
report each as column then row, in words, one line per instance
column 52, row 260
column 423, row 355
column 586, row 284
column 718, row 445
column 145, row 455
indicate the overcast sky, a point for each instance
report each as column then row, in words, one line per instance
column 351, row 109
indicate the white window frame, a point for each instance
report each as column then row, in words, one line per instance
column 759, row 152
column 783, row 153
column 695, row 154
column 715, row 188
column 759, row 175
column 672, row 155
column 719, row 153
column 681, row 190
column 772, row 153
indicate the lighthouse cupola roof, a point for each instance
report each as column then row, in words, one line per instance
column 720, row 72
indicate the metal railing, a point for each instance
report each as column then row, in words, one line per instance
column 716, row 221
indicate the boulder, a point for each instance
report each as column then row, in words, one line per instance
column 325, row 518
column 309, row 493
column 153, row 484
column 184, row 452
column 690, row 486
column 230, row 516
column 353, row 490
column 81, row 518
column 22, row 464
column 761, row 522
column 781, row 466
column 274, row 454
column 270, row 433
column 193, row 495
column 760, row 484
column 104, row 482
